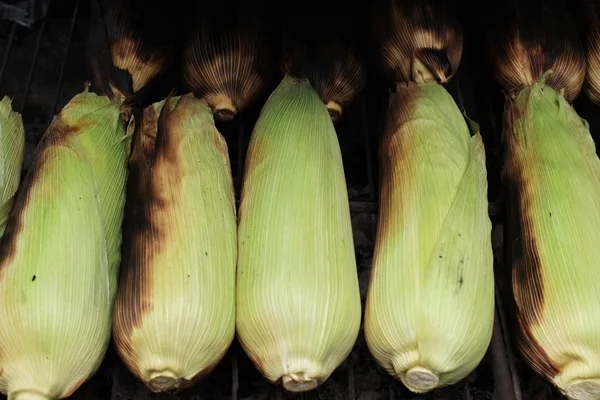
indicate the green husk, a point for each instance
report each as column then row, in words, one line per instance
column 57, row 257
column 298, row 303
column 12, row 149
column 430, row 307
column 552, row 174
column 175, row 311
column 107, row 145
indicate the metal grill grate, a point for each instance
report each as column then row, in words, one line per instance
column 43, row 67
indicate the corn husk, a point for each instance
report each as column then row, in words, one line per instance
column 226, row 60
column 331, row 64
column 126, row 51
column 298, row 302
column 532, row 37
column 108, row 147
column 551, row 181
column 592, row 50
column 175, row 311
column 419, row 40
column 430, row 306
column 56, row 255
column 552, row 175
column 12, row 149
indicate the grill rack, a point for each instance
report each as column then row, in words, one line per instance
column 60, row 39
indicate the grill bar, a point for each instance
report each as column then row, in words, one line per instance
column 67, row 49
column 11, row 38
column 368, row 151
column 32, row 68
column 235, row 383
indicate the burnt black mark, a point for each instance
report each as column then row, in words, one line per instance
column 460, row 281
column 523, row 254
column 33, row 278
column 153, row 164
column 536, row 355
column 134, row 297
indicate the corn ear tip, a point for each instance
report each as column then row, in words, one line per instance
column 6, row 108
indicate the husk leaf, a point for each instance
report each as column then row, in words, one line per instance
column 298, row 302
column 430, row 306
column 175, row 311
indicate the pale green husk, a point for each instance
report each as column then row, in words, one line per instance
column 107, row 145
column 175, row 311
column 552, row 163
column 298, row 303
column 12, row 150
column 430, row 306
column 55, row 260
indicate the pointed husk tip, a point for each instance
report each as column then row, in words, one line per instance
column 584, row 390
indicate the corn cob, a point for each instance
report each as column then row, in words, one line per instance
column 227, row 60
column 175, row 311
column 430, row 305
column 55, row 266
column 298, row 303
column 552, row 178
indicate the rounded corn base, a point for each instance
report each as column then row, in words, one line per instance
column 583, row 390
column 420, row 380
column 298, row 382
column 27, row 395
column 164, row 382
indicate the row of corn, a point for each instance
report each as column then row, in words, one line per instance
column 126, row 219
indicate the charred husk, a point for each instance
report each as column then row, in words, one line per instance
column 328, row 58
column 592, row 50
column 530, row 37
column 419, row 41
column 227, row 59
column 125, row 49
